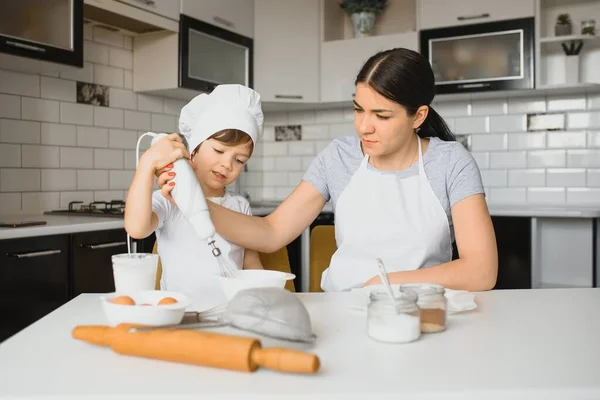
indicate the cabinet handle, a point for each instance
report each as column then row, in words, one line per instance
column 25, row 46
column 283, row 96
column 103, row 245
column 223, row 21
column 468, row 17
column 150, row 3
column 32, row 254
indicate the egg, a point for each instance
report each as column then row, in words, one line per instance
column 167, row 300
column 123, row 300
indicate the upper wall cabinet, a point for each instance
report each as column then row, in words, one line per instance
column 165, row 8
column 286, row 50
column 233, row 15
column 442, row 13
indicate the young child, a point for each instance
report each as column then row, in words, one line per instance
column 221, row 129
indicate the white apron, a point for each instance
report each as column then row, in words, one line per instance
column 400, row 221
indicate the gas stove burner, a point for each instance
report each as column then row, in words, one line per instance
column 113, row 208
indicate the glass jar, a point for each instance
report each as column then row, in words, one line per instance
column 393, row 322
column 433, row 305
column 588, row 27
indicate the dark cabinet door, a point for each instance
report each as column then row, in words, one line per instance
column 33, row 280
column 91, row 265
column 513, row 237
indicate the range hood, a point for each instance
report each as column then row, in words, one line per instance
column 127, row 19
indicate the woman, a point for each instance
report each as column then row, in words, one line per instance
column 402, row 190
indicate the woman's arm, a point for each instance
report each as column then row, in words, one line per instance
column 252, row 260
column 477, row 268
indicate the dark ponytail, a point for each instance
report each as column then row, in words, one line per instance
column 405, row 77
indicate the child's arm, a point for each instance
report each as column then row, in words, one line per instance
column 140, row 221
column 252, row 260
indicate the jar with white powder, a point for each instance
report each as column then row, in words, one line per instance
column 393, row 322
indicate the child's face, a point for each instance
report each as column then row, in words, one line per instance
column 218, row 165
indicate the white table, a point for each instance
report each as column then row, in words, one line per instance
column 541, row 343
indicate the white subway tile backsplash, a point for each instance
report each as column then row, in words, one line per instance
column 268, row 164
column 583, row 196
column 18, row 83
column 150, row 103
column 301, row 148
column 482, row 159
column 593, row 177
column 108, row 76
column 121, row 179
column 566, row 177
column 288, row 163
column 95, row 52
column 511, row 159
column 508, row 123
column 593, row 139
column 532, row 105
column 294, row 178
column 545, row 196
column 268, row 193
column 301, row 117
column 107, row 37
column 40, row 201
column 494, row 178
column 137, row 120
column 276, row 118
column 341, row 130
column 320, row 145
column 128, row 79
column 281, row 193
column 109, row 159
column 92, row 180
column 547, row 159
column 123, row 139
column 275, row 149
column 85, row 74
column 40, row 110
column 508, row 195
column 128, row 42
column 108, row 117
column 269, row 133
column 76, row 157
column 564, row 103
column 275, row 179
column 10, row 106
column 11, row 203
column 80, row 114
column 253, row 178
column 164, row 123
column 471, row 124
column 19, row 180
column 348, row 114
column 583, row 158
column 40, row 156
column 452, row 109
column 58, row 135
column 173, row 107
column 88, row 32
column 120, row 58
column 129, row 159
column 109, row 195
column 566, row 140
column 526, row 177
column 306, row 162
column 315, row 132
column 335, row 115
column 15, row 131
column 489, row 142
column 123, row 98
column 58, row 89
column 593, row 101
column 583, row 120
column 88, row 136
column 10, row 155
column 526, row 141
column 67, row 197
column 489, row 107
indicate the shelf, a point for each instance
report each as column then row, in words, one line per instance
column 559, row 39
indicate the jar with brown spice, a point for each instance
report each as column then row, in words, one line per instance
column 433, row 305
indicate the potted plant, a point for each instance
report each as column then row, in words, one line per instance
column 563, row 25
column 362, row 14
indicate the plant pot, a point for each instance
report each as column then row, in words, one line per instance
column 563, row 29
column 363, row 24
column 572, row 70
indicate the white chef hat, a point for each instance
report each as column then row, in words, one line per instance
column 226, row 107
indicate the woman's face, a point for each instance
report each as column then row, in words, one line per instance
column 382, row 125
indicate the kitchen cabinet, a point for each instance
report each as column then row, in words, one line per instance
column 437, row 13
column 337, row 78
column 34, row 276
column 233, row 15
column 166, row 8
column 286, row 50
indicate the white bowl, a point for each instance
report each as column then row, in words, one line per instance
column 153, row 315
column 253, row 278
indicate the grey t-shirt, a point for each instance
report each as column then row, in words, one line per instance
column 451, row 170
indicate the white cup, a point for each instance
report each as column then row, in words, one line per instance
column 134, row 272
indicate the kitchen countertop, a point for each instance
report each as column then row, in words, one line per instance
column 534, row 344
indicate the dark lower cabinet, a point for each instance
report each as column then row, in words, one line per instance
column 34, row 280
column 513, row 238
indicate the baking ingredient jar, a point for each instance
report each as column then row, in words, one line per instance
column 393, row 321
column 433, row 305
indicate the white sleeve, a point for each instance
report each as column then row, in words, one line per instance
column 245, row 206
column 161, row 207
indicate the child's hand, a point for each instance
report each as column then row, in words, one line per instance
column 164, row 152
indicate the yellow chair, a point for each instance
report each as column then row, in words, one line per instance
column 322, row 247
column 277, row 261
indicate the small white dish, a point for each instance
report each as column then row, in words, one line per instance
column 253, row 278
column 146, row 310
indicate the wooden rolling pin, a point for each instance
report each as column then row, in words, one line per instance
column 200, row 348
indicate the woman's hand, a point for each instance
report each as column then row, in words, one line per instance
column 165, row 182
column 164, row 152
